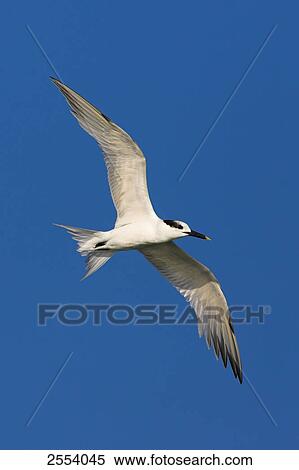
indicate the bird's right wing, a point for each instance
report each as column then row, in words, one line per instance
column 202, row 290
column 124, row 160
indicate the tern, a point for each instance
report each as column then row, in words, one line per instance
column 138, row 227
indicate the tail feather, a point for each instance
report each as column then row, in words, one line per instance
column 87, row 239
column 95, row 260
column 81, row 235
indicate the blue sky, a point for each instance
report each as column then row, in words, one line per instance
column 163, row 71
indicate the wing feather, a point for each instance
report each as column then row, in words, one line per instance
column 124, row 160
column 201, row 289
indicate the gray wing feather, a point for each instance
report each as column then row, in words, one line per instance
column 201, row 289
column 124, row 160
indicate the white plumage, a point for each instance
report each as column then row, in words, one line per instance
column 138, row 227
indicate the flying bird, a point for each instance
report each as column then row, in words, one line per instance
column 138, row 227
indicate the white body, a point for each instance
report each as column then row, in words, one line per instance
column 134, row 235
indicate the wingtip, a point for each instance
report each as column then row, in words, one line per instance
column 58, row 225
column 54, row 79
column 56, row 82
column 237, row 371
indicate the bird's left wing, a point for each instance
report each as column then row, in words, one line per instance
column 124, row 160
column 202, row 290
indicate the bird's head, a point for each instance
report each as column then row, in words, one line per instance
column 181, row 229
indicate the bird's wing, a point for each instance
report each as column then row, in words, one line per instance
column 202, row 290
column 124, row 160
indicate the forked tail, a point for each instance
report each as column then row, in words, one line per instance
column 87, row 241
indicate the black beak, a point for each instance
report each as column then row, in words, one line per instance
column 192, row 233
